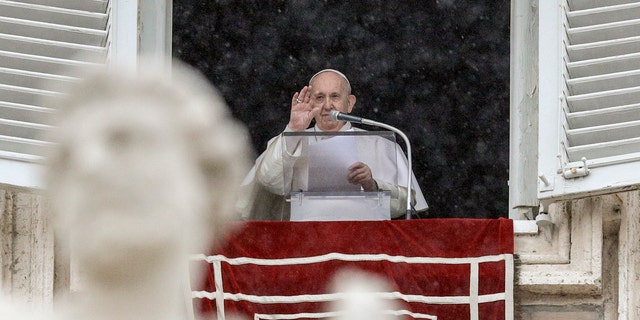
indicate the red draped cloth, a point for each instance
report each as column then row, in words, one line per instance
column 438, row 268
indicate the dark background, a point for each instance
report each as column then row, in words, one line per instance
column 437, row 69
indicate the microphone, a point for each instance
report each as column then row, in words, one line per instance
column 336, row 115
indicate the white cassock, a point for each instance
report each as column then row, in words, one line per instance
column 277, row 173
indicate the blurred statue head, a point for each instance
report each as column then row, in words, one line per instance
column 145, row 165
column 364, row 296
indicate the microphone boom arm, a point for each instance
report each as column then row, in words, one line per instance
column 408, row 144
column 336, row 115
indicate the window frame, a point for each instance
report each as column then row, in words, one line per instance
column 128, row 37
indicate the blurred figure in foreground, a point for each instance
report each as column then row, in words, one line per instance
column 16, row 309
column 144, row 171
column 363, row 296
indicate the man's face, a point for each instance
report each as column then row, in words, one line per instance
column 330, row 92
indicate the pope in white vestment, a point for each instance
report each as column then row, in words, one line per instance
column 283, row 167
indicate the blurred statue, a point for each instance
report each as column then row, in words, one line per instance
column 16, row 309
column 144, row 171
column 362, row 297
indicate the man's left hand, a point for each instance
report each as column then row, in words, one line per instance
column 360, row 173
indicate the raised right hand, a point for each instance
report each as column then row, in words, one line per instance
column 302, row 110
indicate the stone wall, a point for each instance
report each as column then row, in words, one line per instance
column 587, row 267
column 26, row 247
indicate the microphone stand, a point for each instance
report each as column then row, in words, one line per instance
column 406, row 141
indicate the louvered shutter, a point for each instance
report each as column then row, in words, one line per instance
column 589, row 98
column 41, row 42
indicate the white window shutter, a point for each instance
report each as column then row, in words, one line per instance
column 589, row 98
column 41, row 41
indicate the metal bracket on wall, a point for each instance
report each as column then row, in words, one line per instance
column 575, row 171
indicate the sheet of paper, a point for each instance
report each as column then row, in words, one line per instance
column 329, row 161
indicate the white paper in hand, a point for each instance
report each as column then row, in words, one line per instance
column 329, row 161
